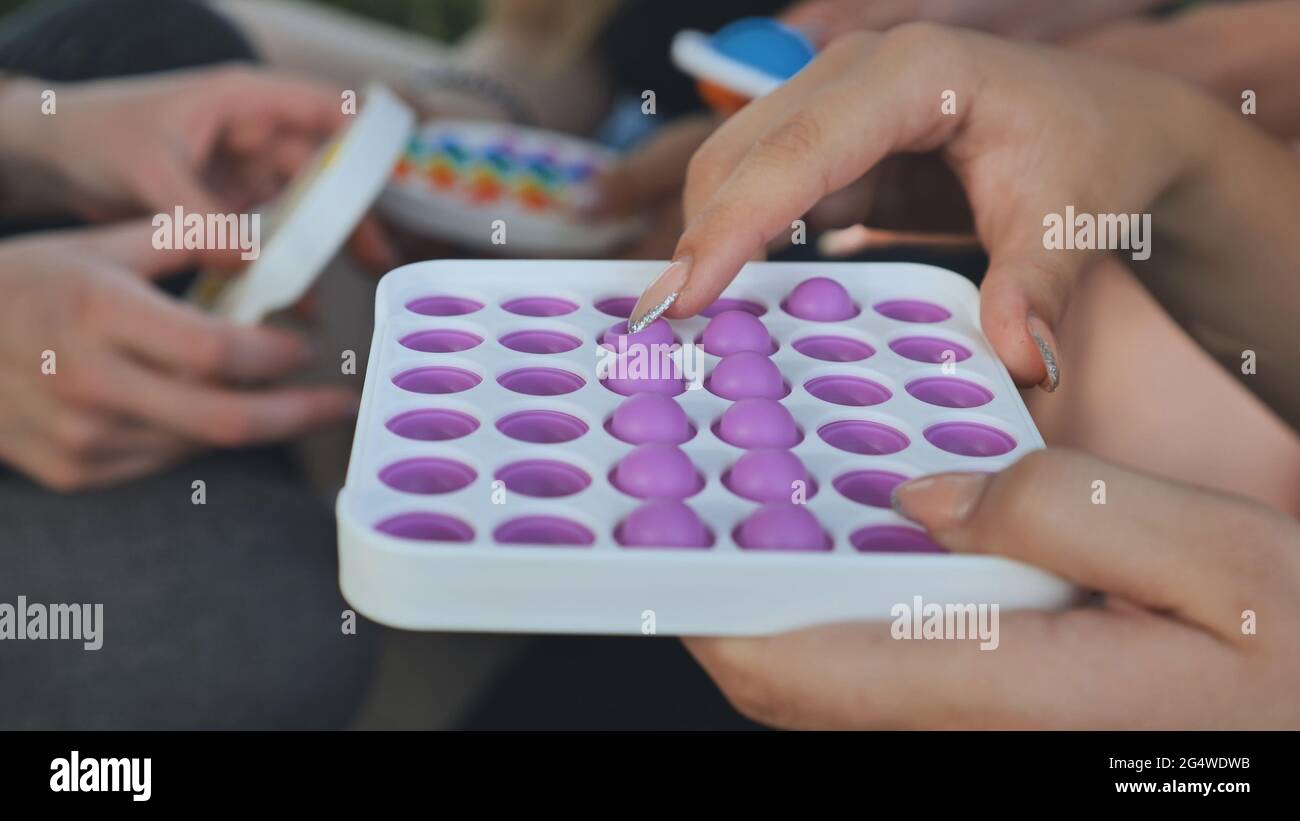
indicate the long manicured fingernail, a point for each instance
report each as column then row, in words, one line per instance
column 660, row 296
column 1046, row 342
column 939, row 502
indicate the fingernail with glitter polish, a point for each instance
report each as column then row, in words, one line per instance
column 661, row 294
column 1047, row 348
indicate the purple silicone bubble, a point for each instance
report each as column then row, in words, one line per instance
column 929, row 349
column 620, row 306
column 729, row 304
column 539, row 306
column 969, row 439
column 767, row 475
column 734, row 331
column 868, row 487
column 426, row 527
column 860, row 436
column 782, row 526
column 657, row 471
column 540, row 342
column 833, row 348
column 544, row 478
column 893, row 539
column 436, row 380
column 847, row 390
column 746, row 374
column 758, row 423
column 545, row 530
column 912, row 310
column 541, row 381
column 643, row 369
column 434, row 425
column 949, row 392
column 650, row 417
column 427, row 475
column 820, row 299
column 443, row 306
column 441, row 341
column 542, row 427
column 663, row 523
column 656, row 333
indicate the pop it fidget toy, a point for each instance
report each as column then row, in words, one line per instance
column 742, row 60
column 505, row 478
column 457, row 177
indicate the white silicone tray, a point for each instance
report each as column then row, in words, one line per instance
column 607, row 588
column 499, row 156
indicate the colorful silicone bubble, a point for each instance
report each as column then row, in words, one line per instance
column 847, row 390
column 620, row 306
column 441, row 341
column 730, row 304
column 443, row 306
column 656, row 333
column 544, row 478
column 949, row 392
column 769, row 475
column 544, row 530
column 929, row 349
column 542, row 342
column 833, row 348
column 782, row 526
column 426, row 527
column 644, row 369
column 539, row 306
column 542, row 427
column 432, row 425
column 868, row 487
column 861, row 436
column 969, row 439
column 436, row 380
column 758, row 423
column 734, row 331
column 428, row 475
column 893, row 539
column 663, row 523
column 541, row 381
column 820, row 299
column 912, row 310
column 650, row 417
column 657, row 471
column 746, row 374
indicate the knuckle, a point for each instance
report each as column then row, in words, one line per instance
column 794, row 140
column 922, row 36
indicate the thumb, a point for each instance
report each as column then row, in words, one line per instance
column 1168, row 547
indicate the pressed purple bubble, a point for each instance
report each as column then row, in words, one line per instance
column 912, row 310
column 663, row 523
column 438, row 379
column 758, row 423
column 539, row 306
column 657, row 471
column 443, row 306
column 541, row 381
column 861, row 436
column 893, row 539
column 833, row 348
column 782, row 526
column 820, row 299
column 768, row 475
column 658, row 332
column 847, row 390
column 427, row 475
column 441, row 341
column 542, row 427
column 949, row 392
column 746, row 374
column 969, row 439
column 543, row 530
column 545, row 478
column 929, row 349
column 432, row 425
column 868, row 487
column 543, row 342
column 426, row 527
column 734, row 331
column 650, row 417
